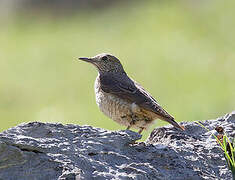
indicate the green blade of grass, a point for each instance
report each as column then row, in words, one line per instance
column 224, row 147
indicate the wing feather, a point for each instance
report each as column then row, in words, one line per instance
column 124, row 87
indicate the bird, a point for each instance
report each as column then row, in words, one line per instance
column 122, row 99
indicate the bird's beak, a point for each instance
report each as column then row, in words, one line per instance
column 86, row 59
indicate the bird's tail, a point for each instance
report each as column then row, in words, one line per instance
column 173, row 122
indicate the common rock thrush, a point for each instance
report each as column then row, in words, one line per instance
column 122, row 99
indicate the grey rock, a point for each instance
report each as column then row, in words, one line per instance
column 41, row 151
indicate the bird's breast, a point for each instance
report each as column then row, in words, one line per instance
column 111, row 105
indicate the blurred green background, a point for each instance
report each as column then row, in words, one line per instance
column 182, row 52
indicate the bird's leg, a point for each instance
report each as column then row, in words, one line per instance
column 133, row 120
column 125, row 117
column 141, row 129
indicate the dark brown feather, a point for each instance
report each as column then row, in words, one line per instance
column 124, row 87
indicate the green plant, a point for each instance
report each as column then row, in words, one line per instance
column 228, row 148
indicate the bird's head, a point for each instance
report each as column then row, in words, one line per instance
column 105, row 63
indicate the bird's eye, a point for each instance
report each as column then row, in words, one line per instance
column 104, row 58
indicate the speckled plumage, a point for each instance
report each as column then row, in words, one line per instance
column 120, row 110
column 122, row 99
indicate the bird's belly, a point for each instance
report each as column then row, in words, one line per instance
column 114, row 107
column 121, row 111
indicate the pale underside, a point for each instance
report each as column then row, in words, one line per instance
column 123, row 112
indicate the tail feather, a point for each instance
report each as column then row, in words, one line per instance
column 173, row 122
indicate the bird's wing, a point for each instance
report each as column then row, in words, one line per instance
column 123, row 87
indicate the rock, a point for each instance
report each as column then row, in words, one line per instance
column 41, row 151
